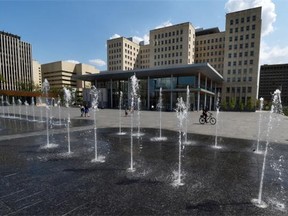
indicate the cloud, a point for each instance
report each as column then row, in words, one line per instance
column 164, row 24
column 268, row 11
column 97, row 62
column 73, row 61
column 115, row 36
column 273, row 55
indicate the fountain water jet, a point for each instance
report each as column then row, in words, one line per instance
column 26, row 109
column 13, row 106
column 186, row 119
column 217, row 122
column 2, row 101
column 138, row 134
column 276, row 108
column 120, row 114
column 33, row 108
column 160, row 106
column 134, row 95
column 19, row 107
column 45, row 89
column 40, row 107
column 95, row 96
column 8, row 109
column 181, row 113
column 68, row 98
column 259, row 126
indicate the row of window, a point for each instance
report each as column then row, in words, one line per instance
column 210, row 47
column 241, row 37
column 240, row 54
column 215, row 53
column 168, row 34
column 238, row 79
column 213, row 40
column 245, row 62
column 242, row 20
column 169, row 55
column 169, row 48
column 239, row 71
column 238, row 89
column 118, row 44
column 241, row 46
column 169, row 41
column 115, row 50
column 168, row 62
column 241, row 29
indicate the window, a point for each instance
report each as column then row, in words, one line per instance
column 228, row 89
column 231, row 22
column 248, row 19
column 251, row 62
column 249, row 90
column 253, row 27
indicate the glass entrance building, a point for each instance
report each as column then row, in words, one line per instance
column 203, row 81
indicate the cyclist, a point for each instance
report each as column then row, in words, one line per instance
column 204, row 113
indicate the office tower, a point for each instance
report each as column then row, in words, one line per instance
column 274, row 77
column 122, row 54
column 37, row 74
column 172, row 45
column 234, row 53
column 15, row 62
column 241, row 61
column 210, row 45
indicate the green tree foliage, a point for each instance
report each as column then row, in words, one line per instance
column 232, row 103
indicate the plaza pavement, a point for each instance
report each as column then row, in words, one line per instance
column 241, row 125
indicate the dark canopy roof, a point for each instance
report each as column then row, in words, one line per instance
column 183, row 70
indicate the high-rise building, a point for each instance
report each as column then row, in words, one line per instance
column 122, row 54
column 274, row 77
column 172, row 45
column 37, row 74
column 234, row 53
column 15, row 62
column 241, row 60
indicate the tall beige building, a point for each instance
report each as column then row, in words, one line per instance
column 15, row 62
column 60, row 74
column 234, row 53
column 37, row 74
column 122, row 54
column 172, row 45
column 241, row 61
column 210, row 45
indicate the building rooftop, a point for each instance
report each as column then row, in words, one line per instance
column 182, row 70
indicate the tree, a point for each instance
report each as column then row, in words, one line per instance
column 232, row 104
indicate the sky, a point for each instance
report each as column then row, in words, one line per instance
column 78, row 30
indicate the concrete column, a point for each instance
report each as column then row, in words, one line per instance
column 205, row 99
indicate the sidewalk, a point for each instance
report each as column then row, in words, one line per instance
column 243, row 125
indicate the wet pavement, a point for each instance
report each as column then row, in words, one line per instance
column 40, row 181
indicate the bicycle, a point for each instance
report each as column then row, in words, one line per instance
column 209, row 119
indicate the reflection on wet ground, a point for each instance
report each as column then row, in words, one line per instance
column 37, row 181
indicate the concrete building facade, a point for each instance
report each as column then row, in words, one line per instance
column 274, row 77
column 60, row 74
column 241, row 60
column 234, row 53
column 36, row 74
column 15, row 62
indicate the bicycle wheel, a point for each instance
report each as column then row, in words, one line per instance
column 201, row 120
column 212, row 121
